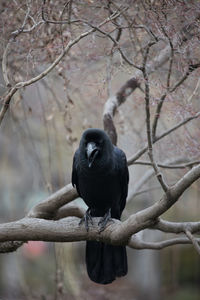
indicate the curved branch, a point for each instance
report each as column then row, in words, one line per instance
column 113, row 103
column 68, row 211
column 49, row 207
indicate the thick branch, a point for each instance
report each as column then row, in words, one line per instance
column 64, row 230
column 69, row 230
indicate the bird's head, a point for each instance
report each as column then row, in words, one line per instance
column 96, row 146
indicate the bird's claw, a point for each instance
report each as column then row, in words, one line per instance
column 104, row 220
column 86, row 219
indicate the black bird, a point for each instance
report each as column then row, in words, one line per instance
column 100, row 174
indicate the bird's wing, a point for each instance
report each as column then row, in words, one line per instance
column 123, row 174
column 75, row 171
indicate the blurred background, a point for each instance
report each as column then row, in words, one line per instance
column 45, row 121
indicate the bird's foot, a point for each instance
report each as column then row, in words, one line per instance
column 104, row 220
column 86, row 219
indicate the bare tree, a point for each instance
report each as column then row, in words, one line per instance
column 162, row 53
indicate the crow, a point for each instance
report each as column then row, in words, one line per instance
column 101, row 177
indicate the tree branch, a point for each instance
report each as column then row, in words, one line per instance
column 112, row 103
column 7, row 98
column 158, row 174
column 67, row 229
column 49, row 207
column 194, row 240
column 169, row 166
column 191, row 68
column 132, row 159
column 139, row 244
column 148, row 216
column 176, row 227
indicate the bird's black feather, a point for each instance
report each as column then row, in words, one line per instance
column 103, row 185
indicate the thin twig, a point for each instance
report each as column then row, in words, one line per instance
column 170, row 44
column 169, row 166
column 191, row 68
column 28, row 30
column 148, row 122
column 61, row 22
column 150, row 173
column 116, row 45
column 157, row 115
column 194, row 241
column 194, row 93
column 4, row 65
column 132, row 159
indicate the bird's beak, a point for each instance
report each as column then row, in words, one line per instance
column 92, row 151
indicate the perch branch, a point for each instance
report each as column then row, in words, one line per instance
column 68, row 229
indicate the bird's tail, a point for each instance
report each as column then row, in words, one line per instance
column 105, row 262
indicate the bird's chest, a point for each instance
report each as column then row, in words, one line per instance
column 100, row 191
